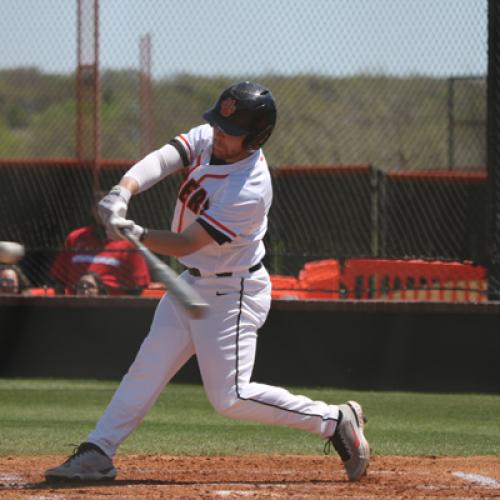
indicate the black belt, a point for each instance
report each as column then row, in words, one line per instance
column 193, row 271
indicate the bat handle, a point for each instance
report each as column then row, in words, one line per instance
column 130, row 237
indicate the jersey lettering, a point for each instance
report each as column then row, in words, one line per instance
column 188, row 188
column 198, row 200
column 195, row 195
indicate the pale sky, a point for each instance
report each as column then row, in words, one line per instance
column 240, row 37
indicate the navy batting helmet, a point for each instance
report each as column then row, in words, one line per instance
column 245, row 109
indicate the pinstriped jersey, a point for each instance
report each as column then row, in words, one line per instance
column 231, row 201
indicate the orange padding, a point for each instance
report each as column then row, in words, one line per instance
column 155, row 289
column 37, row 292
column 285, row 287
column 317, row 280
column 147, row 292
column 320, row 279
column 414, row 280
column 384, row 279
column 153, row 292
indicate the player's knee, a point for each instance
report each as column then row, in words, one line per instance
column 228, row 407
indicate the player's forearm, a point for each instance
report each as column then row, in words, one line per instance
column 168, row 243
column 193, row 238
column 130, row 184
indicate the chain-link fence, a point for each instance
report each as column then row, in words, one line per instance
column 371, row 89
column 395, row 83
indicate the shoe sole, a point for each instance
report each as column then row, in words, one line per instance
column 364, row 445
column 82, row 478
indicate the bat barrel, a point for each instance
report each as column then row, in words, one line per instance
column 198, row 311
column 186, row 295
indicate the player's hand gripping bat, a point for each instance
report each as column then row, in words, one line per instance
column 187, row 296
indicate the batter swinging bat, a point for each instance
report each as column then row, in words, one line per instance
column 187, row 296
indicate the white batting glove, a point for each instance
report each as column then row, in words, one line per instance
column 114, row 204
column 118, row 225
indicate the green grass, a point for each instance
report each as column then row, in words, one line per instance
column 45, row 416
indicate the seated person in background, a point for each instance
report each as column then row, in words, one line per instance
column 119, row 266
column 90, row 285
column 13, row 280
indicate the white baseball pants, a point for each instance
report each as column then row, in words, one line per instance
column 225, row 345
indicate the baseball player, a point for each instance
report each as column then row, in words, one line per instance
column 217, row 232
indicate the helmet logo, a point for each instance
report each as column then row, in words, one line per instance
column 227, row 107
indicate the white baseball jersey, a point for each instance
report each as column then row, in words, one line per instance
column 230, row 201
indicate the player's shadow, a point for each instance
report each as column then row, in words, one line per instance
column 57, row 485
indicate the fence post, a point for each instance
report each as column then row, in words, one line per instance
column 493, row 149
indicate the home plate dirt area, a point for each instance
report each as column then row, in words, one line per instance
column 260, row 476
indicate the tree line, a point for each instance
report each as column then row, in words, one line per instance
column 393, row 123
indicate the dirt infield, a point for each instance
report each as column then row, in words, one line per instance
column 261, row 476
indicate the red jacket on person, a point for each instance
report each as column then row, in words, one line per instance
column 118, row 263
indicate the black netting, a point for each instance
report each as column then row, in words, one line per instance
column 380, row 147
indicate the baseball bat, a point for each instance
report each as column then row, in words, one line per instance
column 186, row 295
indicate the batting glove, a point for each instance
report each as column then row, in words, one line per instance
column 115, row 203
column 118, row 225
